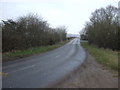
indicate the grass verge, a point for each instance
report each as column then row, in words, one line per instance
column 106, row 57
column 18, row 54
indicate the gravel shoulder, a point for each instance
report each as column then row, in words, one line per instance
column 90, row 75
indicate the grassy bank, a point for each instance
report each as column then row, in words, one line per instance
column 106, row 57
column 18, row 54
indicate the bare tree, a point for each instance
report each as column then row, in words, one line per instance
column 30, row 31
column 103, row 28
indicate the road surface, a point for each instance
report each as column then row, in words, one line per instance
column 45, row 69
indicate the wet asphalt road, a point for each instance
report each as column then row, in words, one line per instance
column 45, row 69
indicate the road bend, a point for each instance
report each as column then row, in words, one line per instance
column 43, row 70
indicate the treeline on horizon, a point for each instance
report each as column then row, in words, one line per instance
column 29, row 31
column 103, row 29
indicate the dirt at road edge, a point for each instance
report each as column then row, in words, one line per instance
column 89, row 75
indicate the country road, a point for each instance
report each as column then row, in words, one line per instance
column 45, row 69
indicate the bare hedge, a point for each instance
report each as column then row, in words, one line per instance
column 29, row 31
column 103, row 29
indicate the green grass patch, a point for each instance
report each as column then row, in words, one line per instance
column 106, row 57
column 34, row 50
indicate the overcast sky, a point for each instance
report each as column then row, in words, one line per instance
column 71, row 13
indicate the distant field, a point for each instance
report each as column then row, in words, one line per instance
column 14, row 55
column 106, row 57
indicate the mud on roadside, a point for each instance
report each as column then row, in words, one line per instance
column 90, row 75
